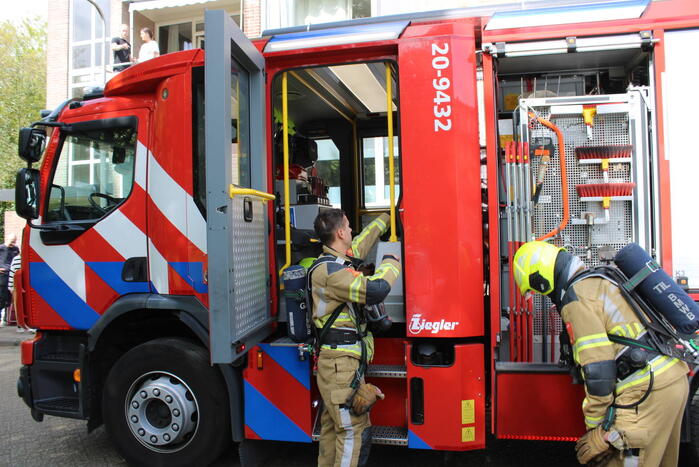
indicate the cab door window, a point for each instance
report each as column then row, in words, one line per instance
column 94, row 172
column 328, row 165
column 376, row 175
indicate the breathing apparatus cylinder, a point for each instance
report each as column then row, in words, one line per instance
column 657, row 288
column 294, row 278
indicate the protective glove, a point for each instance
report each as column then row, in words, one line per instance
column 592, row 445
column 367, row 269
column 361, row 400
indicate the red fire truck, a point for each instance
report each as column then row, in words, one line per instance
column 168, row 204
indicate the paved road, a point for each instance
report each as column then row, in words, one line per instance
column 63, row 442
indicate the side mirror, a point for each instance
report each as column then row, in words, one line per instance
column 27, row 193
column 31, row 144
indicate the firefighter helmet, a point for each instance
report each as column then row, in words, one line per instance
column 533, row 267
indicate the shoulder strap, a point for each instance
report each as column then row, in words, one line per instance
column 586, row 273
column 661, row 337
column 627, row 341
column 325, row 258
column 329, row 323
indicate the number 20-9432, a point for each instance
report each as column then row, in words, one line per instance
column 441, row 85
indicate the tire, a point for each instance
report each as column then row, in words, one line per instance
column 165, row 405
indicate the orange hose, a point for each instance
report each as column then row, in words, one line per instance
column 564, row 176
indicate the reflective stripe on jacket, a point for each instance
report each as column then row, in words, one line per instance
column 593, row 308
column 337, row 282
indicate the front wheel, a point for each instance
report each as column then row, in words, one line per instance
column 164, row 404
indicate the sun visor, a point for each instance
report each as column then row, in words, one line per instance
column 336, row 36
column 598, row 11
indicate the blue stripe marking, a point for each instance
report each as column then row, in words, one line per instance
column 110, row 272
column 415, row 442
column 397, row 26
column 601, row 7
column 60, row 297
column 268, row 421
column 288, row 358
column 192, row 273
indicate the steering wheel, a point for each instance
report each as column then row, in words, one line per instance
column 111, row 202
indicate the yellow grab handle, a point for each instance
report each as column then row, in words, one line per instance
column 391, row 168
column 285, row 134
column 234, row 190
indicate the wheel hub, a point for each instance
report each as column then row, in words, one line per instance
column 161, row 411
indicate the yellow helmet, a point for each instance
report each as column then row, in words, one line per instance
column 533, row 267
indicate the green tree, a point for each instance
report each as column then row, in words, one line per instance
column 22, row 91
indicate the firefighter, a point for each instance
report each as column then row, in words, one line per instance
column 347, row 346
column 647, row 430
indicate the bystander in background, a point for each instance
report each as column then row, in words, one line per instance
column 121, row 48
column 7, row 253
column 14, row 267
column 149, row 49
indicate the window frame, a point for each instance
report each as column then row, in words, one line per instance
column 324, row 138
column 130, row 121
column 398, row 165
column 94, row 72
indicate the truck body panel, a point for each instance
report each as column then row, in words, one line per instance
column 194, row 220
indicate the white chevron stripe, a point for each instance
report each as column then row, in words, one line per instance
column 170, row 197
column 122, row 234
column 64, row 261
column 140, row 169
column 196, row 225
column 158, row 270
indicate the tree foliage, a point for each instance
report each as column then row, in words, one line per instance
column 22, row 88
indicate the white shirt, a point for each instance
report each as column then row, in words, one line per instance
column 148, row 50
column 14, row 266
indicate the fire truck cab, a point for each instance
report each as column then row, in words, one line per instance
column 168, row 205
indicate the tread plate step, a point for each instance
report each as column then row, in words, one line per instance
column 391, row 435
column 62, row 404
column 386, row 371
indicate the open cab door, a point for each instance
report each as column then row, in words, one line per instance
column 237, row 217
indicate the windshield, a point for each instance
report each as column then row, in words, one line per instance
column 93, row 175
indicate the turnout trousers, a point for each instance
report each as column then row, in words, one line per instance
column 653, row 428
column 345, row 439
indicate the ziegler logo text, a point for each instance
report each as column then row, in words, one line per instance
column 417, row 325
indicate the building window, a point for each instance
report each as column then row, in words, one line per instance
column 175, row 37
column 287, row 13
column 89, row 45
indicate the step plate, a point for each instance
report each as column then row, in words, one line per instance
column 383, row 371
column 391, row 435
column 284, row 342
column 386, row 371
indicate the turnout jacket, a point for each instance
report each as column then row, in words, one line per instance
column 592, row 308
column 337, row 282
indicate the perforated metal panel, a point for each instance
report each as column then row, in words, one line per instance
column 249, row 283
column 611, row 128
